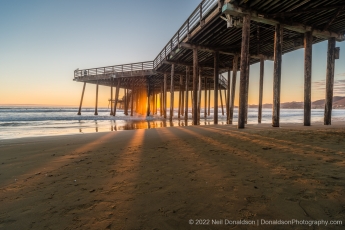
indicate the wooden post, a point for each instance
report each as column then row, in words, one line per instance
column 148, row 100
column 209, row 99
column 261, row 88
column 156, row 103
column 195, row 87
column 172, row 92
column 308, row 46
column 205, row 97
column 132, row 99
column 221, row 101
column 153, row 95
column 278, row 42
column 191, row 98
column 329, row 81
column 228, row 97
column 186, row 103
column 161, row 102
column 180, row 98
column 165, row 96
column 199, row 96
column 96, row 112
column 244, row 72
column 247, row 90
column 233, row 88
column 136, row 100
column 126, row 101
column 111, row 100
column 142, row 101
column 215, row 89
column 116, row 96
column 81, row 100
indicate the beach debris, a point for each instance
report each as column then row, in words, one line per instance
column 75, row 180
column 92, row 190
column 334, row 177
column 38, row 173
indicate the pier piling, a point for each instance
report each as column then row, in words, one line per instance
column 186, row 97
column 96, row 105
column 244, row 72
column 215, row 87
column 329, row 81
column 195, row 87
column 261, row 87
column 81, row 99
column 308, row 42
column 278, row 37
column 172, row 92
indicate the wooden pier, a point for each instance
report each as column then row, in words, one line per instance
column 219, row 39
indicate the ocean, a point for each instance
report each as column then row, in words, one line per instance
column 18, row 122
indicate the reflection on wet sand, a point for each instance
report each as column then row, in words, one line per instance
column 120, row 125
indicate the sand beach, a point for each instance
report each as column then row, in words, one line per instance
column 195, row 177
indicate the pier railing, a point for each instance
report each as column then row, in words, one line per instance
column 193, row 21
column 116, row 70
column 223, row 81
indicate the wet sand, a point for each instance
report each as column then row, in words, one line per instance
column 163, row 178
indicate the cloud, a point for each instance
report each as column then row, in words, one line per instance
column 338, row 88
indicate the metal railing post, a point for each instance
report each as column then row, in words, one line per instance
column 200, row 13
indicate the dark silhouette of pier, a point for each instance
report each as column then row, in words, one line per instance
column 218, row 40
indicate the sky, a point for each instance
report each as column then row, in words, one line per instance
column 43, row 42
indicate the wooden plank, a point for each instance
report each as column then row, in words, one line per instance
column 244, row 64
column 308, row 45
column 278, row 42
column 261, row 88
column 212, row 50
column 329, row 82
column 215, row 87
column 195, row 87
column 293, row 26
column 81, row 100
